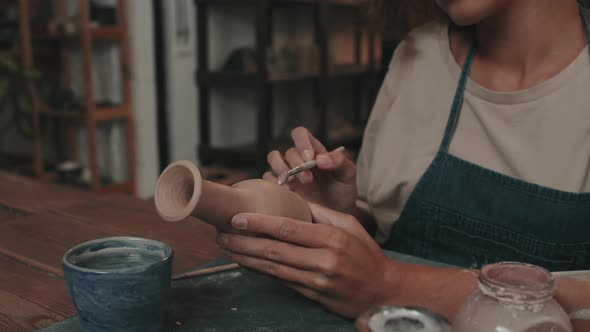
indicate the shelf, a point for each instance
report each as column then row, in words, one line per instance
column 352, row 141
column 244, row 80
column 236, row 79
column 107, row 32
column 244, row 155
column 343, row 3
column 111, row 113
column 55, row 34
column 338, row 71
column 117, row 188
column 262, row 82
column 96, row 33
column 279, row 77
column 225, row 79
column 10, row 52
column 101, row 114
column 250, row 155
column 66, row 115
column 8, row 23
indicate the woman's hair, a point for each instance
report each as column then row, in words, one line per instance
column 397, row 17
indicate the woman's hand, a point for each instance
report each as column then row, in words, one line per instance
column 333, row 261
column 332, row 183
column 572, row 294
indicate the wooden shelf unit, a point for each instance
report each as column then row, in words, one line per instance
column 343, row 3
column 103, row 113
column 90, row 114
column 365, row 76
column 237, row 79
column 249, row 153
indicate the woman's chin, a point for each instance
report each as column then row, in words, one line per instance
column 464, row 20
column 469, row 12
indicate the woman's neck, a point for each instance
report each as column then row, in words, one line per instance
column 525, row 44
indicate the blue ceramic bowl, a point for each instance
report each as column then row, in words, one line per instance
column 119, row 283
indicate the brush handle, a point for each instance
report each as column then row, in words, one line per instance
column 283, row 178
column 206, row 271
column 303, row 167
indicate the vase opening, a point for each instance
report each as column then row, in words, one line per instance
column 178, row 191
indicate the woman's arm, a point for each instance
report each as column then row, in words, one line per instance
column 366, row 219
column 573, row 293
column 336, row 263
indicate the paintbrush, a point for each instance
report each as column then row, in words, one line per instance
column 284, row 178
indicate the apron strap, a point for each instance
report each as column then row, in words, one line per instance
column 457, row 101
column 585, row 20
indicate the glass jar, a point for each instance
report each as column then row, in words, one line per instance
column 513, row 297
column 401, row 319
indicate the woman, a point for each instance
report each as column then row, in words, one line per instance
column 501, row 176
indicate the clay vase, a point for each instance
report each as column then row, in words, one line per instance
column 181, row 192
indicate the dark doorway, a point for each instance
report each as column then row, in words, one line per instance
column 161, row 83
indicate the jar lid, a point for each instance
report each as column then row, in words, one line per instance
column 406, row 319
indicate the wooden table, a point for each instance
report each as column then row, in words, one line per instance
column 39, row 222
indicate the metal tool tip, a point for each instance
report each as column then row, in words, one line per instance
column 282, row 179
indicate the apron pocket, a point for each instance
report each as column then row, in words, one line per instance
column 473, row 243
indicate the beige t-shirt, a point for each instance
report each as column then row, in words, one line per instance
column 540, row 135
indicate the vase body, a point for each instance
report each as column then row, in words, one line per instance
column 181, row 192
column 513, row 297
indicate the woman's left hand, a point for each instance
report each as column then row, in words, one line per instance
column 333, row 261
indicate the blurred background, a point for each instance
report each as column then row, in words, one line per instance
column 103, row 94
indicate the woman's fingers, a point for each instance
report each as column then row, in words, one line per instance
column 307, row 145
column 327, row 300
column 326, row 216
column 277, row 163
column 281, row 271
column 306, row 149
column 305, row 291
column 309, row 259
column 270, row 177
column 343, row 169
column 289, row 230
column 294, row 159
column 323, row 215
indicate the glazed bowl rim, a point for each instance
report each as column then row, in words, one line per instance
column 167, row 250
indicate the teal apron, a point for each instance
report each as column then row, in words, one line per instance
column 466, row 215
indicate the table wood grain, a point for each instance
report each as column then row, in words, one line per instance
column 40, row 221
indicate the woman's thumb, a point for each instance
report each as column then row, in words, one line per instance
column 326, row 216
column 336, row 161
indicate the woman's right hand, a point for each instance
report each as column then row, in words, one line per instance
column 332, row 183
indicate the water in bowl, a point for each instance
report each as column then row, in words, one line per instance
column 110, row 259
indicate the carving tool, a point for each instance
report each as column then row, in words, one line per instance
column 284, row 178
column 206, row 271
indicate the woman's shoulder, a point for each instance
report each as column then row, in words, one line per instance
column 419, row 55
column 422, row 40
column 428, row 31
column 417, row 74
column 421, row 46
